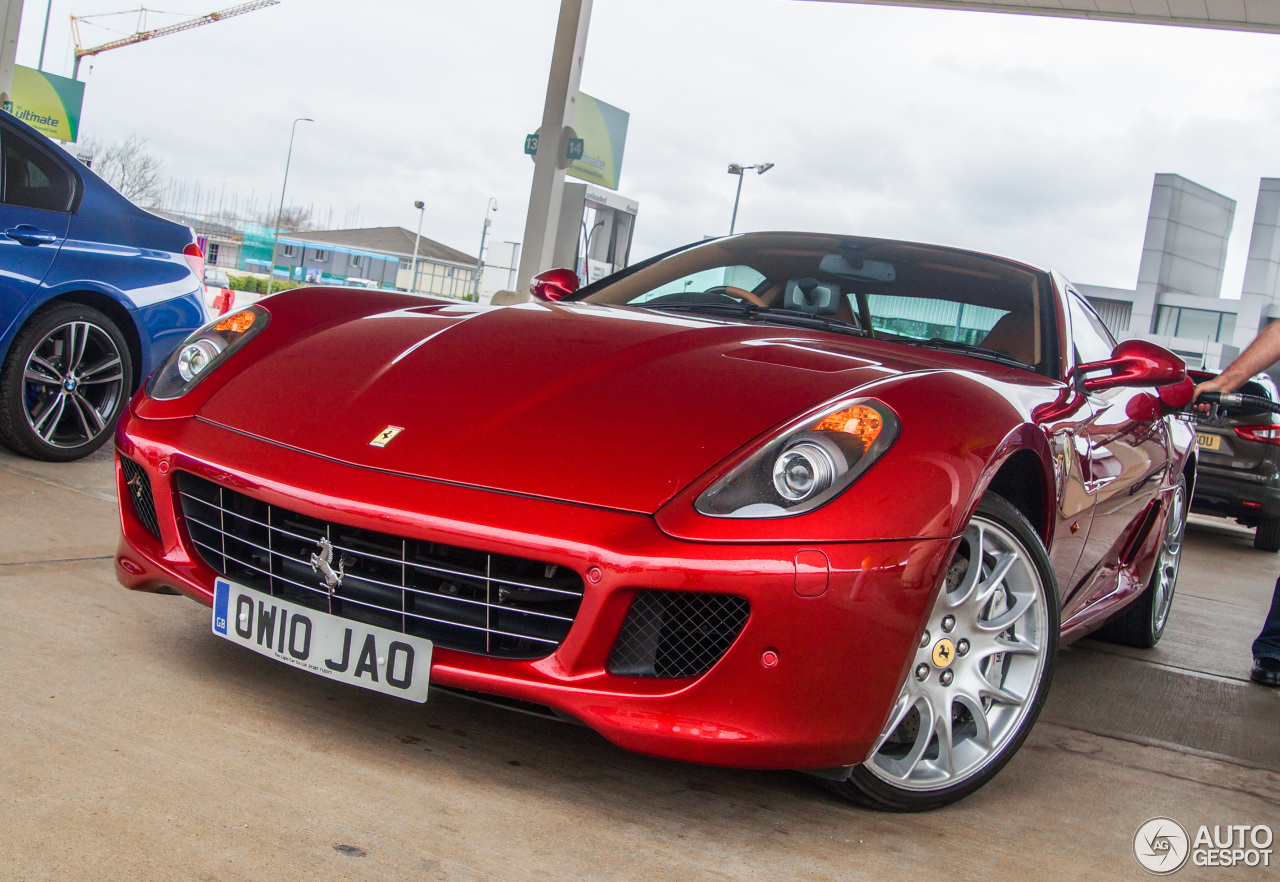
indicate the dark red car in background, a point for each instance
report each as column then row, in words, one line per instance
column 782, row 500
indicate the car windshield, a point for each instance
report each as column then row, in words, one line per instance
column 916, row 294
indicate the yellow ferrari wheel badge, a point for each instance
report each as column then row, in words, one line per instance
column 944, row 651
column 385, row 437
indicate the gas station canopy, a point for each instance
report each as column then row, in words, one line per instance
column 1233, row 15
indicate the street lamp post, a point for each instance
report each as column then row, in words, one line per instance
column 421, row 206
column 275, row 242
column 740, row 171
column 491, row 205
column 48, row 10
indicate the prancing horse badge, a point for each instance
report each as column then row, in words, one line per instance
column 385, row 436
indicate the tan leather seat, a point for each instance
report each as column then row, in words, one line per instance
column 1014, row 334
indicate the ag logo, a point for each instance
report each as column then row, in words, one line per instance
column 1161, row 846
column 944, row 651
column 383, row 438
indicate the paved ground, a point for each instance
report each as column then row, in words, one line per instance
column 135, row 745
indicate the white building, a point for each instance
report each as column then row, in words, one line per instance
column 384, row 255
column 501, row 266
column 1178, row 300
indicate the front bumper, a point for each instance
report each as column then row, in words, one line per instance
column 841, row 656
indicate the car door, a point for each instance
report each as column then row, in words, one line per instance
column 1128, row 456
column 37, row 192
column 1066, row 424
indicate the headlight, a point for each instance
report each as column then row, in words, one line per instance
column 204, row 350
column 807, row 465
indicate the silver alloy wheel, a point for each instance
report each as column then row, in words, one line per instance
column 977, row 670
column 72, row 384
column 1166, row 574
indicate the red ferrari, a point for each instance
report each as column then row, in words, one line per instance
column 778, row 500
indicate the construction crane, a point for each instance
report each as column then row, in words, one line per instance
column 158, row 32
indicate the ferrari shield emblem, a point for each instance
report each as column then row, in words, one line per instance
column 943, row 652
column 385, row 436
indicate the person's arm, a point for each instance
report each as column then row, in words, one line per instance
column 1263, row 352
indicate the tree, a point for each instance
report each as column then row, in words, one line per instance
column 129, row 167
column 294, row 218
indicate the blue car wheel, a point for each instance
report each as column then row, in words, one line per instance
column 64, row 383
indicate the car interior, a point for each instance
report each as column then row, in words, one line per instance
column 898, row 291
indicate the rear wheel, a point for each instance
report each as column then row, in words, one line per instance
column 979, row 676
column 1142, row 624
column 1267, row 536
column 64, row 383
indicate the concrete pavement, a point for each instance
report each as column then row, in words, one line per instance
column 136, row 745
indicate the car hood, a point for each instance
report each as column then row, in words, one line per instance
column 603, row 406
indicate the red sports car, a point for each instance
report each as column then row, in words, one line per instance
column 778, row 500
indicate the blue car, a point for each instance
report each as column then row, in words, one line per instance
column 94, row 292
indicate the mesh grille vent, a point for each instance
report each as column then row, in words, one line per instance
column 677, row 633
column 140, row 495
column 460, row 598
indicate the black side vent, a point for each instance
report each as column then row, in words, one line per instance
column 140, row 494
column 677, row 633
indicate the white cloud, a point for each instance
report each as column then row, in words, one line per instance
column 1031, row 137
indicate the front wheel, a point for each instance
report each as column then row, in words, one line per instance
column 979, row 677
column 64, row 382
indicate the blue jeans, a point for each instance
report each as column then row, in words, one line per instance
column 1268, row 642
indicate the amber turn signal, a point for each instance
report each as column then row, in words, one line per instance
column 863, row 422
column 237, row 322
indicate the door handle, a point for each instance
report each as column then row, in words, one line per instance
column 29, row 235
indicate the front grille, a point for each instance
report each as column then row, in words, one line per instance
column 677, row 633
column 460, row 598
column 140, row 495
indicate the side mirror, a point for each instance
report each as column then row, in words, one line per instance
column 553, row 285
column 1135, row 363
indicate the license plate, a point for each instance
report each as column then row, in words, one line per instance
column 1208, row 442
column 351, row 652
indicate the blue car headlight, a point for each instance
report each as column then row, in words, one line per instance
column 204, row 350
column 806, row 465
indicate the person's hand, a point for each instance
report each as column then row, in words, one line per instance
column 1213, row 385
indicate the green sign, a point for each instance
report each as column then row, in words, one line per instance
column 530, row 144
column 577, row 147
column 603, row 130
column 48, row 102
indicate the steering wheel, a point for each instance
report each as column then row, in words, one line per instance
column 735, row 293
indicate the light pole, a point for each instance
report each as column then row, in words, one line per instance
column 48, row 10
column 740, row 171
column 275, row 242
column 421, row 210
column 491, row 205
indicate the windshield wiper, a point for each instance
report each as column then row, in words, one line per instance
column 967, row 349
column 751, row 312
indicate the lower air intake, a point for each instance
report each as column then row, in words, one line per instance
column 140, row 494
column 677, row 633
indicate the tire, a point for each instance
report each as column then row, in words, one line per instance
column 65, row 380
column 1267, row 536
column 1143, row 623
column 915, row 767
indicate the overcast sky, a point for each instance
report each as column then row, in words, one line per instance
column 1035, row 138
